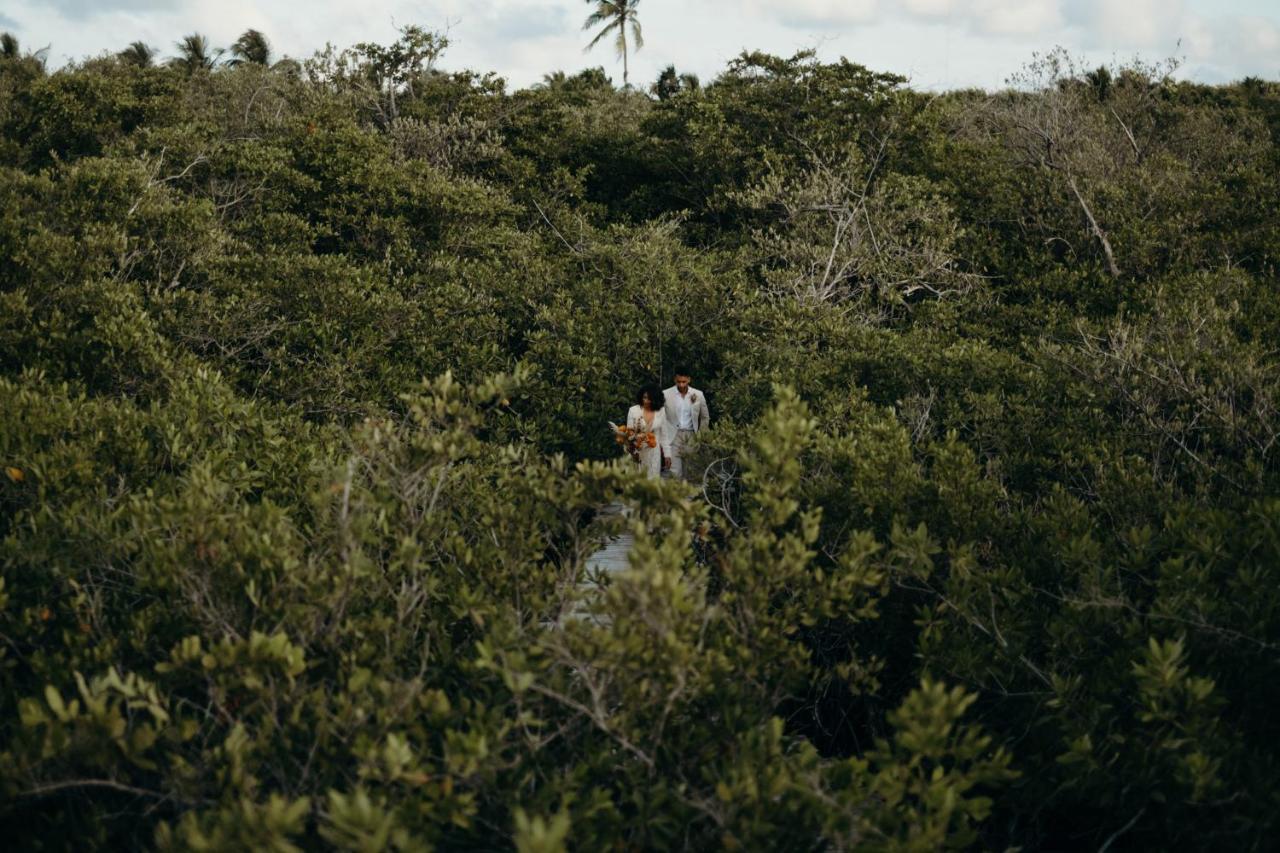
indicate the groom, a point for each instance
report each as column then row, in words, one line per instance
column 687, row 415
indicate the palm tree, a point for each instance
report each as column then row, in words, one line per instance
column 616, row 15
column 553, row 80
column 252, row 46
column 671, row 83
column 1253, row 86
column 10, row 48
column 139, row 53
column 1100, row 81
column 194, row 54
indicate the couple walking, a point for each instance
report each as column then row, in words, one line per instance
column 673, row 417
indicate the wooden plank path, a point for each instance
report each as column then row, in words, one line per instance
column 612, row 558
column 599, row 569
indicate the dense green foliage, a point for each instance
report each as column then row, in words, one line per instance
column 307, row 367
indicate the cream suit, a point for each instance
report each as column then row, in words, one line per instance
column 677, row 439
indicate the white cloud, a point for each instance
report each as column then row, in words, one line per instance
column 1146, row 24
column 810, row 13
column 79, row 10
column 986, row 16
column 1237, row 48
column 1196, row 38
column 930, row 8
column 1016, row 17
column 1254, row 38
column 1214, row 49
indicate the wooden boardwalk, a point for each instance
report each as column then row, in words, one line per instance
column 612, row 558
column 599, row 569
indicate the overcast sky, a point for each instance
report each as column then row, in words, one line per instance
column 938, row 44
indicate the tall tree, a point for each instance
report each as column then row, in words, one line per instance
column 616, row 15
column 10, row 48
column 394, row 69
column 252, row 46
column 671, row 83
column 553, row 80
column 1079, row 132
column 138, row 53
column 195, row 54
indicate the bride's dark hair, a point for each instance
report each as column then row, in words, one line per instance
column 656, row 397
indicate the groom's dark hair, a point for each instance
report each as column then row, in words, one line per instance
column 681, row 370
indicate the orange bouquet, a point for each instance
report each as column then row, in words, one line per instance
column 633, row 440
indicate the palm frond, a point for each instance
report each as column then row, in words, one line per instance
column 596, row 17
column 602, row 34
column 195, row 54
column 251, row 47
column 138, row 53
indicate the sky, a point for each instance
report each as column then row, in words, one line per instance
column 936, row 44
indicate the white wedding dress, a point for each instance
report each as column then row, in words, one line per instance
column 650, row 457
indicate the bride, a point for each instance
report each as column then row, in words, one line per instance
column 646, row 416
